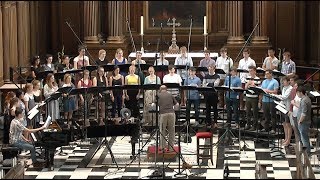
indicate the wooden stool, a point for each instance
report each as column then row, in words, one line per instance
column 204, row 135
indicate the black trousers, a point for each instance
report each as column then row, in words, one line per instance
column 211, row 105
column 133, row 103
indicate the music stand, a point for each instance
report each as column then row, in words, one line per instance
column 181, row 66
column 187, row 137
column 260, row 71
column 282, row 110
column 228, row 131
column 219, row 71
column 78, row 91
column 245, row 145
column 242, row 71
column 259, row 90
column 96, row 90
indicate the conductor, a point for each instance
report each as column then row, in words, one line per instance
column 166, row 104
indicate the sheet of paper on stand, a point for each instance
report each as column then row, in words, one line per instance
column 277, row 96
column 315, row 93
column 280, row 104
column 47, row 123
column 281, row 109
column 33, row 113
column 35, row 108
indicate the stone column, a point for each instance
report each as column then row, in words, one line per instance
column 23, row 33
column 260, row 16
column 10, row 48
column 91, row 21
column 116, row 19
column 235, row 19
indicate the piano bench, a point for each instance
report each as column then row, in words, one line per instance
column 10, row 152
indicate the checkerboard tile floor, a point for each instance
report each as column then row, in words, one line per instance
column 100, row 166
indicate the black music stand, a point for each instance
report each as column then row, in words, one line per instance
column 282, row 111
column 78, row 91
column 52, row 97
column 187, row 137
column 98, row 90
column 228, row 131
column 259, row 90
column 58, row 76
column 90, row 68
column 108, row 67
column 219, row 71
column 123, row 67
column 242, row 71
column 260, row 71
column 245, row 145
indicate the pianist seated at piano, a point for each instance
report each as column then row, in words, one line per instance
column 18, row 140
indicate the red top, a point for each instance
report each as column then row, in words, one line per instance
column 86, row 85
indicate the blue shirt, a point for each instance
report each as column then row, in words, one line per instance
column 270, row 84
column 235, row 82
column 195, row 81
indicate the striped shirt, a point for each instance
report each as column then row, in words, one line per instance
column 288, row 67
column 257, row 82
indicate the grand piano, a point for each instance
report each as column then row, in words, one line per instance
column 58, row 134
column 50, row 139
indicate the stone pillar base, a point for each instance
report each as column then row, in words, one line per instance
column 115, row 39
column 260, row 40
column 91, row 39
column 235, row 40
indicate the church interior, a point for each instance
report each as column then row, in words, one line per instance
column 156, row 29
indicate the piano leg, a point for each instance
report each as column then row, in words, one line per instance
column 49, row 154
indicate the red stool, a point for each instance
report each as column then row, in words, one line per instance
column 204, row 135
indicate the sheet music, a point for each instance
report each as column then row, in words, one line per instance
column 33, row 109
column 33, row 113
column 281, row 109
column 251, row 91
column 240, row 88
column 315, row 93
column 277, row 96
column 280, row 104
column 33, row 137
column 47, row 123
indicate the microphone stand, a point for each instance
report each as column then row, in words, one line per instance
column 85, row 67
column 188, row 138
column 245, row 44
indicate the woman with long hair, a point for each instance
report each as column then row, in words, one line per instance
column 49, row 88
column 35, row 67
column 7, row 115
column 132, row 95
column 69, row 101
column 116, row 95
column 86, row 101
column 101, row 81
column 119, row 59
column 30, row 103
